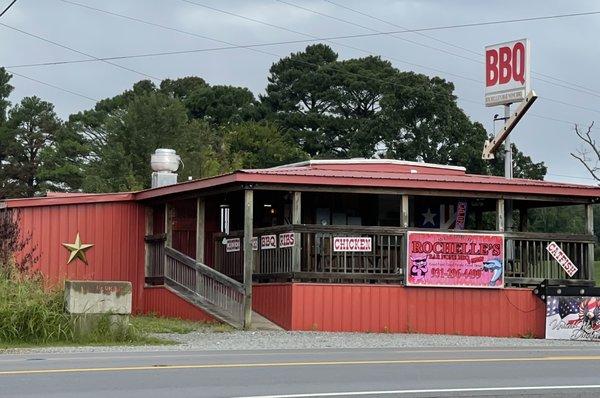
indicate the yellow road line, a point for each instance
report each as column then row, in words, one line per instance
column 290, row 364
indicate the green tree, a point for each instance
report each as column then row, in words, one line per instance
column 259, row 145
column 365, row 107
column 5, row 90
column 126, row 137
column 40, row 152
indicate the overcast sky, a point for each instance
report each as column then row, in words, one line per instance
column 565, row 49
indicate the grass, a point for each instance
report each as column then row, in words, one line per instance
column 156, row 324
column 32, row 315
column 140, row 332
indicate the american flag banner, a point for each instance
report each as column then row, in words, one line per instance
column 573, row 318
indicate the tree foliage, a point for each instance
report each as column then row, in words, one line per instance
column 315, row 106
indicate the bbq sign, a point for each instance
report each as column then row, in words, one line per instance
column 506, row 72
column 455, row 260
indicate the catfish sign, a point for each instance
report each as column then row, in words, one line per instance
column 506, row 72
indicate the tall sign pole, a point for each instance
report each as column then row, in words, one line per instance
column 507, row 80
column 508, row 163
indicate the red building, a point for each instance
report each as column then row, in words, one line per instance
column 345, row 245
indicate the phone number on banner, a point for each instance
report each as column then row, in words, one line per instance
column 456, row 273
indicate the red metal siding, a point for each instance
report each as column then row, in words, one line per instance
column 161, row 301
column 274, row 302
column 116, row 230
column 397, row 309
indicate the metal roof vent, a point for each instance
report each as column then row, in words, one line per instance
column 164, row 163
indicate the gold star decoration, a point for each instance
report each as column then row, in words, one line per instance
column 77, row 250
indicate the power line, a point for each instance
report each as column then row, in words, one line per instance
column 335, row 43
column 53, row 86
column 579, row 88
column 404, row 28
column 7, row 8
column 231, row 46
column 77, row 51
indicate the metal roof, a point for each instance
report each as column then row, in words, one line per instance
column 379, row 173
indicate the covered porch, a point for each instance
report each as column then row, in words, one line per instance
column 215, row 241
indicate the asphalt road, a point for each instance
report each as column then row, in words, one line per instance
column 558, row 372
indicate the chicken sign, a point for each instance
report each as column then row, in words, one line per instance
column 507, row 72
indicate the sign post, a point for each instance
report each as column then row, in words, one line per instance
column 507, row 80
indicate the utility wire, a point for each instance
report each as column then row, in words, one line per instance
column 581, row 89
column 231, row 46
column 332, row 42
column 589, row 92
column 7, row 8
column 53, row 86
column 442, row 41
column 78, row 52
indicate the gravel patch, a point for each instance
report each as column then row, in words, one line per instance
column 282, row 340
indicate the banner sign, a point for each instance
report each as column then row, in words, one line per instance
column 506, row 72
column 233, row 245
column 573, row 318
column 455, row 260
column 254, row 242
column 561, row 257
column 352, row 244
column 287, row 240
column 461, row 215
column 268, row 242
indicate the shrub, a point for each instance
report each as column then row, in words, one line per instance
column 30, row 313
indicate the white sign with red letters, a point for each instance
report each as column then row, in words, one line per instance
column 268, row 242
column 233, row 245
column 562, row 258
column 507, row 72
column 287, row 240
column 352, row 244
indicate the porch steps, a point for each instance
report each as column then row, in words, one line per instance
column 259, row 322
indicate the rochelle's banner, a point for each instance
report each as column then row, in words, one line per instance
column 455, row 259
column 573, row 318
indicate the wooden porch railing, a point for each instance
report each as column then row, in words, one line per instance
column 199, row 282
column 527, row 261
column 318, row 259
column 155, row 258
column 532, row 263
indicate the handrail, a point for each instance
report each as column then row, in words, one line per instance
column 204, row 269
column 399, row 230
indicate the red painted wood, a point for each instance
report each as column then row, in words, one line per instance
column 116, row 229
column 161, row 301
column 383, row 308
column 274, row 302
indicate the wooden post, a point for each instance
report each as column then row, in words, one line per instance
column 169, row 225
column 248, row 255
column 168, row 235
column 500, row 215
column 149, row 231
column 404, row 223
column 589, row 229
column 199, row 243
column 200, row 231
column 404, row 217
column 297, row 219
column 523, row 220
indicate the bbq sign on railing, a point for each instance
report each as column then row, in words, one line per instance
column 507, row 72
column 455, row 260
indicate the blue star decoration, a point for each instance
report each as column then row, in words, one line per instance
column 77, row 250
column 428, row 217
